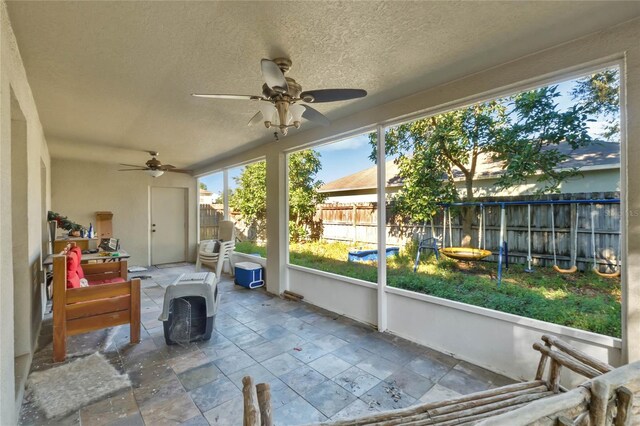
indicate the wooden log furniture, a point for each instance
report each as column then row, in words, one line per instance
column 108, row 301
column 606, row 399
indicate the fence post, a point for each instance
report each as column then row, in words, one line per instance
column 355, row 222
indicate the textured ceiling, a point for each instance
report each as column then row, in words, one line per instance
column 110, row 78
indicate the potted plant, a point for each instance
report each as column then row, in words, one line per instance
column 66, row 224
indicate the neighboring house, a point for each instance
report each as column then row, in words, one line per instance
column 208, row 197
column 599, row 165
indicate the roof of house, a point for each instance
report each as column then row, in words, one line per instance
column 598, row 154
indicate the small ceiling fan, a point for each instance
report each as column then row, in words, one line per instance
column 153, row 167
column 281, row 100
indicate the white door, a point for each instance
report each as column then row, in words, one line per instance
column 168, row 225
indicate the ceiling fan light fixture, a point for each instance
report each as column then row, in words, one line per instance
column 154, row 173
column 296, row 111
column 268, row 113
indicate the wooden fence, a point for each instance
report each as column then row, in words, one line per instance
column 356, row 223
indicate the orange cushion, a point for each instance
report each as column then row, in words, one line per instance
column 109, row 281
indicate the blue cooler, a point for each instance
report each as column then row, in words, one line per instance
column 249, row 275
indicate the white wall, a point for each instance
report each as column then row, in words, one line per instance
column 79, row 189
column 13, row 80
column 618, row 43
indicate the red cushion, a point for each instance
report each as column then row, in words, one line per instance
column 78, row 253
column 109, row 281
column 72, row 263
column 73, row 281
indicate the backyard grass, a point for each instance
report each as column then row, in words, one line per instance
column 582, row 300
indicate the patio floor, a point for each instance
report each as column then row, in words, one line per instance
column 320, row 365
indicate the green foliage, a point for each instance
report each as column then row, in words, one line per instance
column 584, row 300
column 63, row 222
column 599, row 94
column 250, row 196
column 203, row 186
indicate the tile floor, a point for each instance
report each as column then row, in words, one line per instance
column 320, row 365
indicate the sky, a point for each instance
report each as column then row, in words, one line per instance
column 351, row 155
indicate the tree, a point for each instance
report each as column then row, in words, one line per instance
column 250, row 196
column 522, row 132
column 203, row 186
column 599, row 94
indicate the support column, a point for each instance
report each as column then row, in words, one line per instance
column 382, row 233
column 225, row 193
column 277, row 213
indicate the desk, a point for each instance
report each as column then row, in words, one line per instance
column 93, row 257
column 60, row 243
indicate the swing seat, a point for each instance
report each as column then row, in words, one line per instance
column 615, row 274
column 571, row 270
column 465, row 253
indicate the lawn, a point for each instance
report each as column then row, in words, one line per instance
column 582, row 300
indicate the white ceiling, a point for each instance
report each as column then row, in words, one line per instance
column 112, row 79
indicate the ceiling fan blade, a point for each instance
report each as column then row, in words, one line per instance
column 131, row 165
column 255, row 119
column 225, row 96
column 313, row 114
column 166, row 167
column 273, row 76
column 131, row 170
column 178, row 171
column 332, row 95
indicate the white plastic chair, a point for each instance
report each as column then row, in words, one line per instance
column 210, row 252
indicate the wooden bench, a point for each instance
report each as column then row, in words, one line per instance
column 105, row 303
column 541, row 401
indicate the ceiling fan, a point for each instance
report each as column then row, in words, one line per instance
column 153, row 167
column 281, row 100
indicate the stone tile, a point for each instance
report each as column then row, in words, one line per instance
column 308, row 331
column 329, row 398
column 302, row 379
column 196, row 377
column 234, row 331
column 282, row 364
column 228, row 413
column 163, row 388
column 289, row 341
column 483, row 374
column 221, row 350
column 264, row 351
column 281, row 394
column 409, row 382
column 297, row 412
column 377, row 366
column 109, row 410
column 438, row 393
column 273, row 332
column 188, row 361
column 356, row 381
column 387, row 397
column 132, row 420
column 329, row 365
column 463, row 383
column 258, row 373
column 173, row 410
column 198, row 420
column 356, row 409
column 247, row 340
column 352, row 353
column 330, row 342
column 308, row 352
column 215, row 393
column 232, row 363
column 428, row 367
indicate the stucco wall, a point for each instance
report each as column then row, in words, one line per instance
column 13, row 82
column 80, row 189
